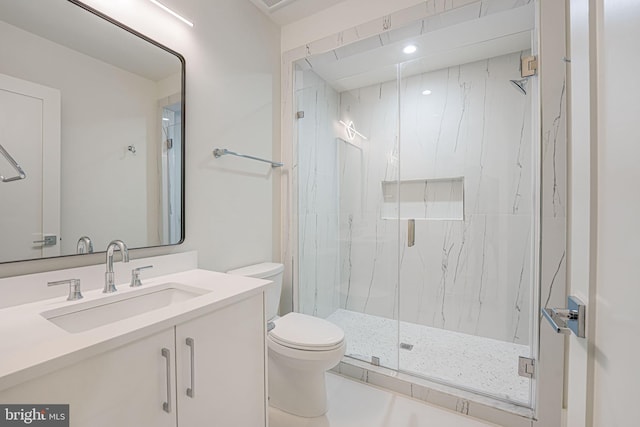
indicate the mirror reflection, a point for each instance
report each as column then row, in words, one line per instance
column 91, row 133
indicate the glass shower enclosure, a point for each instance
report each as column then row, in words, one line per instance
column 418, row 223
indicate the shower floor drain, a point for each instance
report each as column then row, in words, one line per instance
column 405, row 346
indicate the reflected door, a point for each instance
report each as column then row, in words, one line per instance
column 171, row 143
column 30, row 132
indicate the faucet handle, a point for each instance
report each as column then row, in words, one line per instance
column 135, row 275
column 74, row 288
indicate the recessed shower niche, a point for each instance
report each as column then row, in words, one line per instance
column 431, row 199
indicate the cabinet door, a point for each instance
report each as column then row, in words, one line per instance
column 227, row 375
column 124, row 387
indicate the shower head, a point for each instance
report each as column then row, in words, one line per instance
column 521, row 85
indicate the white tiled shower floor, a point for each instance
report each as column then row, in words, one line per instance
column 354, row 404
column 476, row 363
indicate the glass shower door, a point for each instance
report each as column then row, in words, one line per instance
column 348, row 243
column 467, row 183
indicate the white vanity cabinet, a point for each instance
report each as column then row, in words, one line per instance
column 228, row 367
column 121, row 387
column 127, row 386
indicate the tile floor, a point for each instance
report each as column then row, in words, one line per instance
column 354, row 404
column 477, row 363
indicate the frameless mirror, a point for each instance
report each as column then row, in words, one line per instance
column 91, row 133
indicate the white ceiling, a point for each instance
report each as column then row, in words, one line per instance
column 444, row 40
column 284, row 12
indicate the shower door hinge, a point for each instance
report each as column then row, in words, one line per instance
column 526, row 367
column 169, row 143
column 300, row 115
column 528, row 66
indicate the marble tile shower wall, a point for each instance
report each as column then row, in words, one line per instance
column 369, row 243
column 319, row 229
column 471, row 276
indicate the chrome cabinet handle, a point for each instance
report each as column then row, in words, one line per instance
column 191, row 391
column 166, row 406
column 411, row 232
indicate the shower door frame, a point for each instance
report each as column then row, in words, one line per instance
column 551, row 287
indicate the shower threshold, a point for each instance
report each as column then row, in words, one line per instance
column 479, row 364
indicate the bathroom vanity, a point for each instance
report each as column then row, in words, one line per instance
column 181, row 349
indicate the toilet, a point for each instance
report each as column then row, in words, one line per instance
column 301, row 349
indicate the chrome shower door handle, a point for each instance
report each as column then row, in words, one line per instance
column 411, row 232
column 567, row 320
column 191, row 391
column 166, row 406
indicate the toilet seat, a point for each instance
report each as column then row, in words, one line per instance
column 304, row 332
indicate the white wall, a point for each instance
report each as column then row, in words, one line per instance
column 233, row 74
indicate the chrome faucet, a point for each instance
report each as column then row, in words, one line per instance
column 109, row 276
column 84, row 245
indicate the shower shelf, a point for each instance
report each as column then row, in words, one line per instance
column 424, row 199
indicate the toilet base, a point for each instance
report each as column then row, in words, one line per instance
column 303, row 394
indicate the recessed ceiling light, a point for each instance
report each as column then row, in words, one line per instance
column 426, row 92
column 409, row 49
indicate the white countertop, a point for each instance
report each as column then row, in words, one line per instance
column 31, row 345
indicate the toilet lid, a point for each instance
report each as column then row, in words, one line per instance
column 301, row 331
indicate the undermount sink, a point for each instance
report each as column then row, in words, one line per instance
column 87, row 315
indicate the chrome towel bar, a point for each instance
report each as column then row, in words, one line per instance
column 14, row 164
column 219, row 152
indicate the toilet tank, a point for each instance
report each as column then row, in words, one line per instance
column 267, row 271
